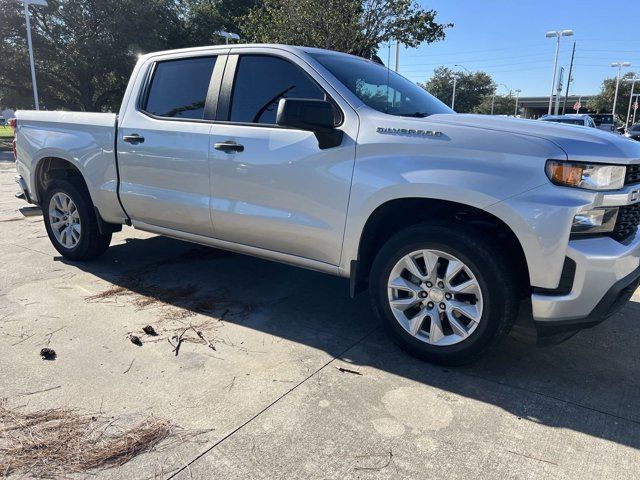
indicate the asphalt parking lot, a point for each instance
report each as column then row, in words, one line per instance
column 271, row 401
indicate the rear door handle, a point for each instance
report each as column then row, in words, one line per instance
column 134, row 139
column 229, row 147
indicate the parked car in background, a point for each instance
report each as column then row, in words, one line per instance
column 633, row 132
column 571, row 119
column 604, row 121
column 3, row 121
column 335, row 163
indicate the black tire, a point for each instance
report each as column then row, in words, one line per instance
column 496, row 278
column 91, row 243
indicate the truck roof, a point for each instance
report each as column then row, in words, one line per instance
column 240, row 46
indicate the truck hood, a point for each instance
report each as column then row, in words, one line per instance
column 579, row 143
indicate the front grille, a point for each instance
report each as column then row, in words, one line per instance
column 633, row 174
column 627, row 222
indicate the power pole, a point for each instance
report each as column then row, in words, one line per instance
column 566, row 94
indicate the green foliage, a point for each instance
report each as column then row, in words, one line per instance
column 353, row 26
column 471, row 88
column 85, row 49
column 203, row 18
column 502, row 105
column 603, row 102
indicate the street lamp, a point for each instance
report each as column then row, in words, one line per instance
column 227, row 36
column 455, row 81
column 633, row 84
column 33, row 67
column 619, row 66
column 453, row 98
column 557, row 34
column 493, row 97
column 515, row 114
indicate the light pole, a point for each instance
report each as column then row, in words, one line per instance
column 557, row 34
column 633, row 84
column 455, row 80
column 558, row 91
column 493, row 97
column 33, row 67
column 227, row 36
column 515, row 114
column 453, row 98
column 619, row 66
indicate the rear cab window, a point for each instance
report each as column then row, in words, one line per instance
column 178, row 88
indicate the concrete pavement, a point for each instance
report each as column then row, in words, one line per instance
column 270, row 396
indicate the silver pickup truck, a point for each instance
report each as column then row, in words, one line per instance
column 455, row 223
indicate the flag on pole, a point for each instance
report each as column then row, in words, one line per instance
column 577, row 106
column 635, row 105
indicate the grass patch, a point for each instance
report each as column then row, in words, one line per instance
column 6, row 132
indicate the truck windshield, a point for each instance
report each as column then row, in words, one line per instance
column 380, row 88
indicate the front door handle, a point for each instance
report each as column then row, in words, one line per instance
column 133, row 139
column 229, row 147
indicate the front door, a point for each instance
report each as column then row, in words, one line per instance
column 163, row 149
column 281, row 192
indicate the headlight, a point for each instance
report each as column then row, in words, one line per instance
column 598, row 220
column 586, row 175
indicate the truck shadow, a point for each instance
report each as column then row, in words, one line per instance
column 588, row 384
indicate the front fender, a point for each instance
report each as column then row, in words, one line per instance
column 467, row 166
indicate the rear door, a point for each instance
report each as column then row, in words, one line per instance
column 163, row 145
column 281, row 192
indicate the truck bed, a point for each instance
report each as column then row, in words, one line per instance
column 86, row 140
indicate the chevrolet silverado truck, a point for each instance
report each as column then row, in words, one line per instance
column 455, row 223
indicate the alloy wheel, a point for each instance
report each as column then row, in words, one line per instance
column 64, row 220
column 435, row 297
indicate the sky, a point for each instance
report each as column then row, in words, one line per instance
column 506, row 38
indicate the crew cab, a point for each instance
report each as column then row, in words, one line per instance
column 455, row 223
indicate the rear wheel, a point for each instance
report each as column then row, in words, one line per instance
column 71, row 221
column 443, row 292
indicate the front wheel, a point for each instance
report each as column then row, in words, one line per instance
column 444, row 292
column 71, row 222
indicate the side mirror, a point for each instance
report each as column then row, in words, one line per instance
column 315, row 116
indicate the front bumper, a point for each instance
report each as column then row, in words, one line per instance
column 606, row 274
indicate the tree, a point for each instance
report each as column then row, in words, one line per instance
column 85, row 49
column 202, row 19
column 471, row 88
column 352, row 26
column 603, row 102
column 502, row 105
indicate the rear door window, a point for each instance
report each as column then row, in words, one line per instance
column 179, row 88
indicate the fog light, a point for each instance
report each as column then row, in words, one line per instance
column 598, row 220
